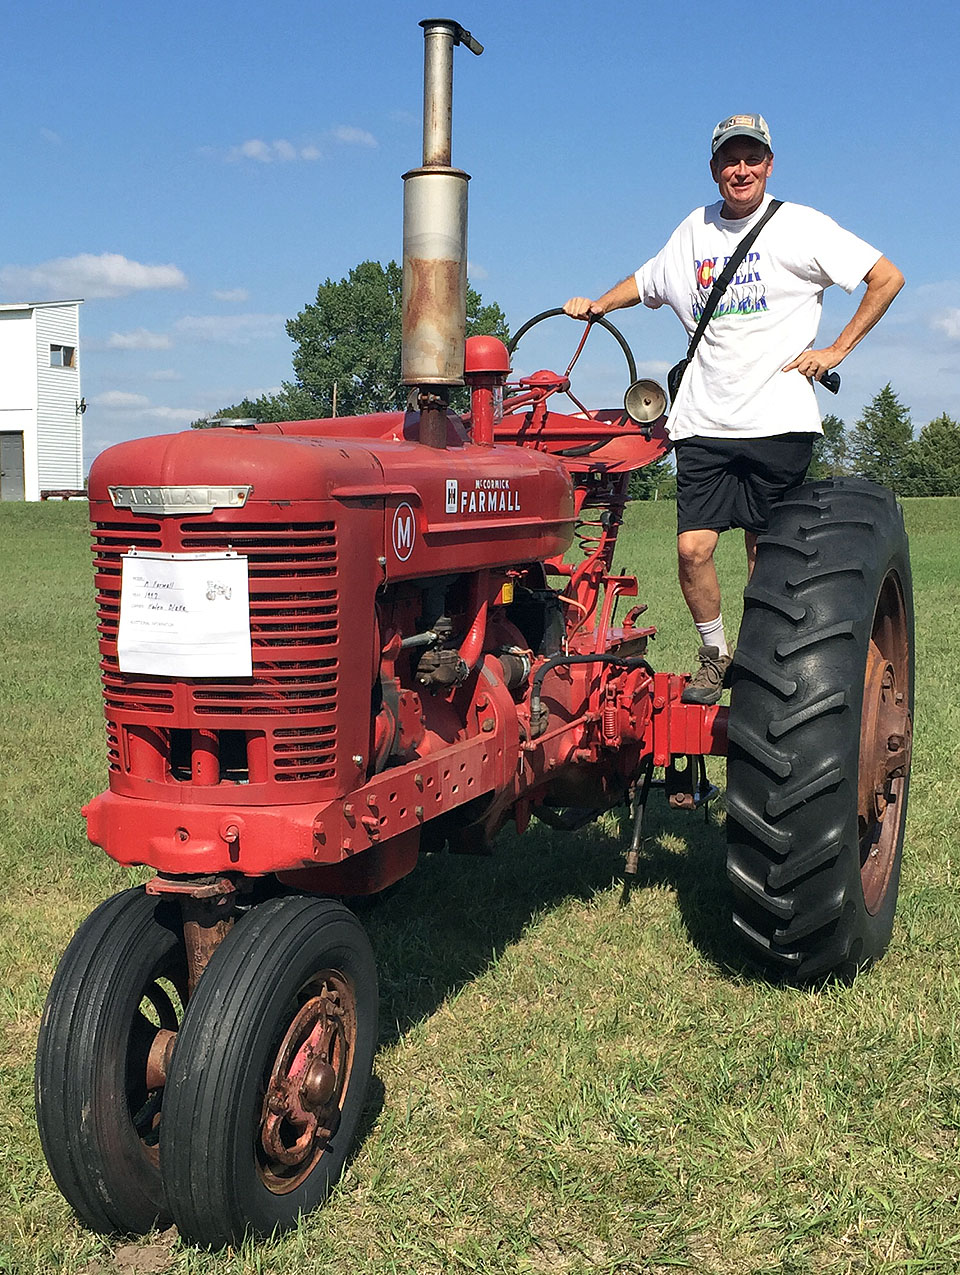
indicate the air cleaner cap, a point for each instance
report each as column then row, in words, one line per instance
column 485, row 355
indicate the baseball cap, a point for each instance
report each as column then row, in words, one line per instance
column 740, row 126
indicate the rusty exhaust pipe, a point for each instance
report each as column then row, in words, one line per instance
column 435, row 241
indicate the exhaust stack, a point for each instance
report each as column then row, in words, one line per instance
column 435, row 240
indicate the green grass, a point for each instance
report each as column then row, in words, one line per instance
column 562, row 1085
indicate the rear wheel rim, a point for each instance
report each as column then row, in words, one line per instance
column 886, row 741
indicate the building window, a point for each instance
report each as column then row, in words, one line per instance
column 63, row 356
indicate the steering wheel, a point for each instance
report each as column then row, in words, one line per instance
column 590, row 323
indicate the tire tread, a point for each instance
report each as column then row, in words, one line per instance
column 794, row 728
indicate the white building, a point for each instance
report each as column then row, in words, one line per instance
column 41, row 408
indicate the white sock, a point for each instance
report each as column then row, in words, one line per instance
column 711, row 634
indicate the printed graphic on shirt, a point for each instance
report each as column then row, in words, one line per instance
column 745, row 293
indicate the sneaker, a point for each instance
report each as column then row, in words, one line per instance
column 705, row 686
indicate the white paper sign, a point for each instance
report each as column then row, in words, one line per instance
column 184, row 615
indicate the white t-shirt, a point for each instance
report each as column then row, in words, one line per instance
column 736, row 387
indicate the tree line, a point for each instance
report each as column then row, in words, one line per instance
column 881, row 446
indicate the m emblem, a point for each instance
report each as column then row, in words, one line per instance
column 404, row 532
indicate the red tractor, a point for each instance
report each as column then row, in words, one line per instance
column 328, row 646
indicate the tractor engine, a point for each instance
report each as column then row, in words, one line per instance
column 381, row 576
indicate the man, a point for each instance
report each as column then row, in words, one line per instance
column 745, row 415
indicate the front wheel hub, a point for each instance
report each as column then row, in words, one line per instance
column 301, row 1105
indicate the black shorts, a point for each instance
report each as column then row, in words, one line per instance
column 735, row 482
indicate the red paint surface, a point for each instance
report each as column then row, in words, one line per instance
column 296, row 770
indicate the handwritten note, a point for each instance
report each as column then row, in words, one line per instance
column 184, row 615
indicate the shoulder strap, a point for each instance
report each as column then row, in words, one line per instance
column 729, row 270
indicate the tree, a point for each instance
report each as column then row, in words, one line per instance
column 290, row 404
column 932, row 464
column 349, row 337
column 830, row 450
column 656, row 481
column 881, row 439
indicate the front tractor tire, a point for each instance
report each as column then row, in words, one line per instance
column 270, row 1073
column 820, row 733
column 109, row 1022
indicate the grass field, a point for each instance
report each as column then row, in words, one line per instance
column 562, row 1085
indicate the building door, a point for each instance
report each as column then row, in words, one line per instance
column 11, row 466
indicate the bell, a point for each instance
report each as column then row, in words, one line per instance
column 645, row 402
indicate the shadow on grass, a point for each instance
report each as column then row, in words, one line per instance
column 452, row 918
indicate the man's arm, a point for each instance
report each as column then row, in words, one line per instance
column 620, row 296
column 883, row 282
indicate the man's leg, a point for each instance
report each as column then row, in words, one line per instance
column 773, row 468
column 750, row 543
column 698, row 574
column 706, row 487
column 701, row 591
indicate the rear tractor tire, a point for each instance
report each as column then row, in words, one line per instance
column 820, row 733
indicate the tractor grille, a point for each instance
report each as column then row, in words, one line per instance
column 294, row 625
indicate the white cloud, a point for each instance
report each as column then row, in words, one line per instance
column 252, row 149
column 87, row 275
column 138, row 408
column 119, row 400
column 93, row 445
column 50, row 136
column 947, row 322
column 283, row 151
column 230, row 329
column 138, row 339
column 164, row 374
column 230, row 294
column 475, row 271
column 173, row 415
column 260, row 391
column 350, row 136
column 280, row 151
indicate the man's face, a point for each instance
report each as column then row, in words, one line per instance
column 741, row 168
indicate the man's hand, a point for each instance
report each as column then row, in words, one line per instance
column 814, row 363
column 583, row 308
column 620, row 295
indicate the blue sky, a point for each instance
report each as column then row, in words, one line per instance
column 196, row 170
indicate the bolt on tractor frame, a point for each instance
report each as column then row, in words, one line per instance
column 330, row 646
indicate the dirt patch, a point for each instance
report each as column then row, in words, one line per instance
column 142, row 1259
column 137, row 1259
